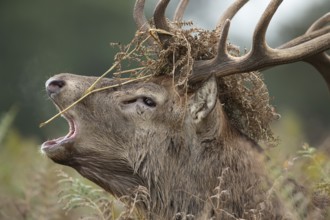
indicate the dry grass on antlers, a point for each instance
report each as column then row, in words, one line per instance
column 245, row 96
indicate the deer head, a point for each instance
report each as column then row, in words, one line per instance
column 174, row 142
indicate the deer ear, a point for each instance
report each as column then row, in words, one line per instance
column 204, row 99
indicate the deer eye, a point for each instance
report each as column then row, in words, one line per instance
column 149, row 102
column 130, row 101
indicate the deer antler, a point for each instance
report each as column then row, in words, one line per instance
column 139, row 17
column 261, row 55
column 321, row 61
column 229, row 14
column 309, row 47
column 178, row 15
column 161, row 22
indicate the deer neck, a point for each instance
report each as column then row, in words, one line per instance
column 179, row 179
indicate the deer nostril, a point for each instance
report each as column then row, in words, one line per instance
column 54, row 86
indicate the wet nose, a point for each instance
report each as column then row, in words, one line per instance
column 54, row 86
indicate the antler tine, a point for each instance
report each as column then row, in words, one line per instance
column 305, row 37
column 321, row 61
column 222, row 53
column 139, row 17
column 223, row 64
column 259, row 36
column 261, row 55
column 230, row 13
column 179, row 12
column 223, row 29
column 160, row 20
column 320, row 23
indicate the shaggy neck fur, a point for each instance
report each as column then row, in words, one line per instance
column 198, row 172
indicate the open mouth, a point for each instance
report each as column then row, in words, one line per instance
column 69, row 138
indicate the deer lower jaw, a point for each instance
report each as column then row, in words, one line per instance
column 55, row 144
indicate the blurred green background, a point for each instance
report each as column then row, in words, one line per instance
column 40, row 38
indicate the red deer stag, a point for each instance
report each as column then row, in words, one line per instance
column 178, row 140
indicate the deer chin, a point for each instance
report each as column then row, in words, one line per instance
column 56, row 148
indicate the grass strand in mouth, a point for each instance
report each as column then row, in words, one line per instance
column 89, row 93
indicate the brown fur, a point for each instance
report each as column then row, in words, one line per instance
column 179, row 158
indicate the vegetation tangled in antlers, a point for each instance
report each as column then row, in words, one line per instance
column 245, row 97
